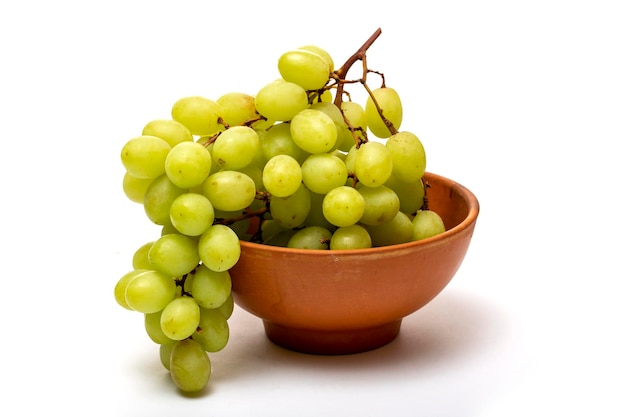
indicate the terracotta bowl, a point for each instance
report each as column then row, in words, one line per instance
column 341, row 302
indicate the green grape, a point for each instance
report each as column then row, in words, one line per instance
column 213, row 331
column 411, row 194
column 350, row 237
column 323, row 53
column 152, row 324
column 210, row 288
column 408, row 156
column 278, row 141
column 316, row 214
column 282, row 175
column 351, row 158
column 237, row 108
column 226, row 308
column 256, row 173
column 171, row 131
column 120, row 287
column 144, row 156
column 174, row 254
column 281, row 100
column 236, row 147
column 427, row 223
column 188, row 164
column 355, row 114
column 311, row 237
column 150, row 291
column 373, row 164
column 343, row 206
column 158, row 199
column 229, row 190
column 165, row 352
column 219, row 248
column 291, row 211
column 307, row 69
column 180, row 318
column 334, row 112
column 135, row 188
column 199, row 114
column 322, row 172
column 389, row 102
column 313, row 131
column 191, row 214
column 398, row 230
column 140, row 257
column 190, row 366
column 381, row 205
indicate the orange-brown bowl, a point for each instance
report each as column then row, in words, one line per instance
column 350, row 301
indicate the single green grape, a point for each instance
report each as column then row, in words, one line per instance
column 229, row 190
column 307, row 69
column 152, row 325
column 323, row 171
column 188, row 164
column 408, row 156
column 281, row 100
column 282, row 175
column 192, row 214
column 180, row 318
column 135, row 188
column 227, row 307
column 190, row 366
column 158, row 199
column 411, row 194
column 174, row 254
column 350, row 237
column 144, row 156
column 381, row 205
column 291, row 211
column 373, row 164
column 389, row 102
column 199, row 114
column 343, row 206
column 278, row 141
column 313, row 131
column 210, row 288
column 120, row 287
column 323, row 53
column 236, row 147
column 140, row 257
column 150, row 291
column 311, row 237
column 219, row 248
column 427, row 223
column 237, row 108
column 213, row 331
column 171, row 131
column 398, row 230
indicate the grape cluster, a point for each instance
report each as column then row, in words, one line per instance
column 291, row 165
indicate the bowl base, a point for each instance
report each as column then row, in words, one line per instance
column 341, row 342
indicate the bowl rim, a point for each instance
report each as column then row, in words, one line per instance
column 472, row 215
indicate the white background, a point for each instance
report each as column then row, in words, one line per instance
column 522, row 102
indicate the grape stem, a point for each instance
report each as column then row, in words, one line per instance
column 340, row 77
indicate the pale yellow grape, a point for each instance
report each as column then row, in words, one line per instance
column 188, row 164
column 158, row 199
column 199, row 114
column 373, row 164
column 293, row 210
column 381, row 205
column 135, row 188
column 334, row 112
column 311, row 237
column 174, row 254
column 313, row 131
column 350, row 237
column 180, row 318
column 210, row 288
column 343, row 206
column 144, row 156
column 171, row 131
column 213, row 331
column 398, row 230
column 282, row 175
column 236, row 147
column 278, row 141
column 389, row 102
column 190, row 366
column 229, row 190
column 411, row 194
column 323, row 53
column 150, row 291
column 219, row 248
column 427, row 223
column 120, row 287
column 305, row 68
column 237, row 108
column 322, row 172
column 140, row 257
column 408, row 156
column 281, row 100
column 152, row 325
column 192, row 214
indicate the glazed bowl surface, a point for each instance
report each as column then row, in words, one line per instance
column 350, row 301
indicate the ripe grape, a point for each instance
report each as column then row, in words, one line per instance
column 350, row 237
column 322, row 172
column 144, row 156
column 408, row 156
column 236, row 147
column 188, row 164
column 192, row 214
column 171, row 131
column 314, row 131
column 219, row 248
column 190, row 366
column 281, row 100
column 282, row 176
column 198, row 114
column 229, row 190
column 343, row 206
column 180, row 318
column 373, row 164
column 213, row 331
column 427, row 223
column 150, row 291
column 307, row 69
column 174, row 254
column 389, row 102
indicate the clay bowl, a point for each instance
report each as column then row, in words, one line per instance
column 342, row 302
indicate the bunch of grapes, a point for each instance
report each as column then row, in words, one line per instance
column 292, row 165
